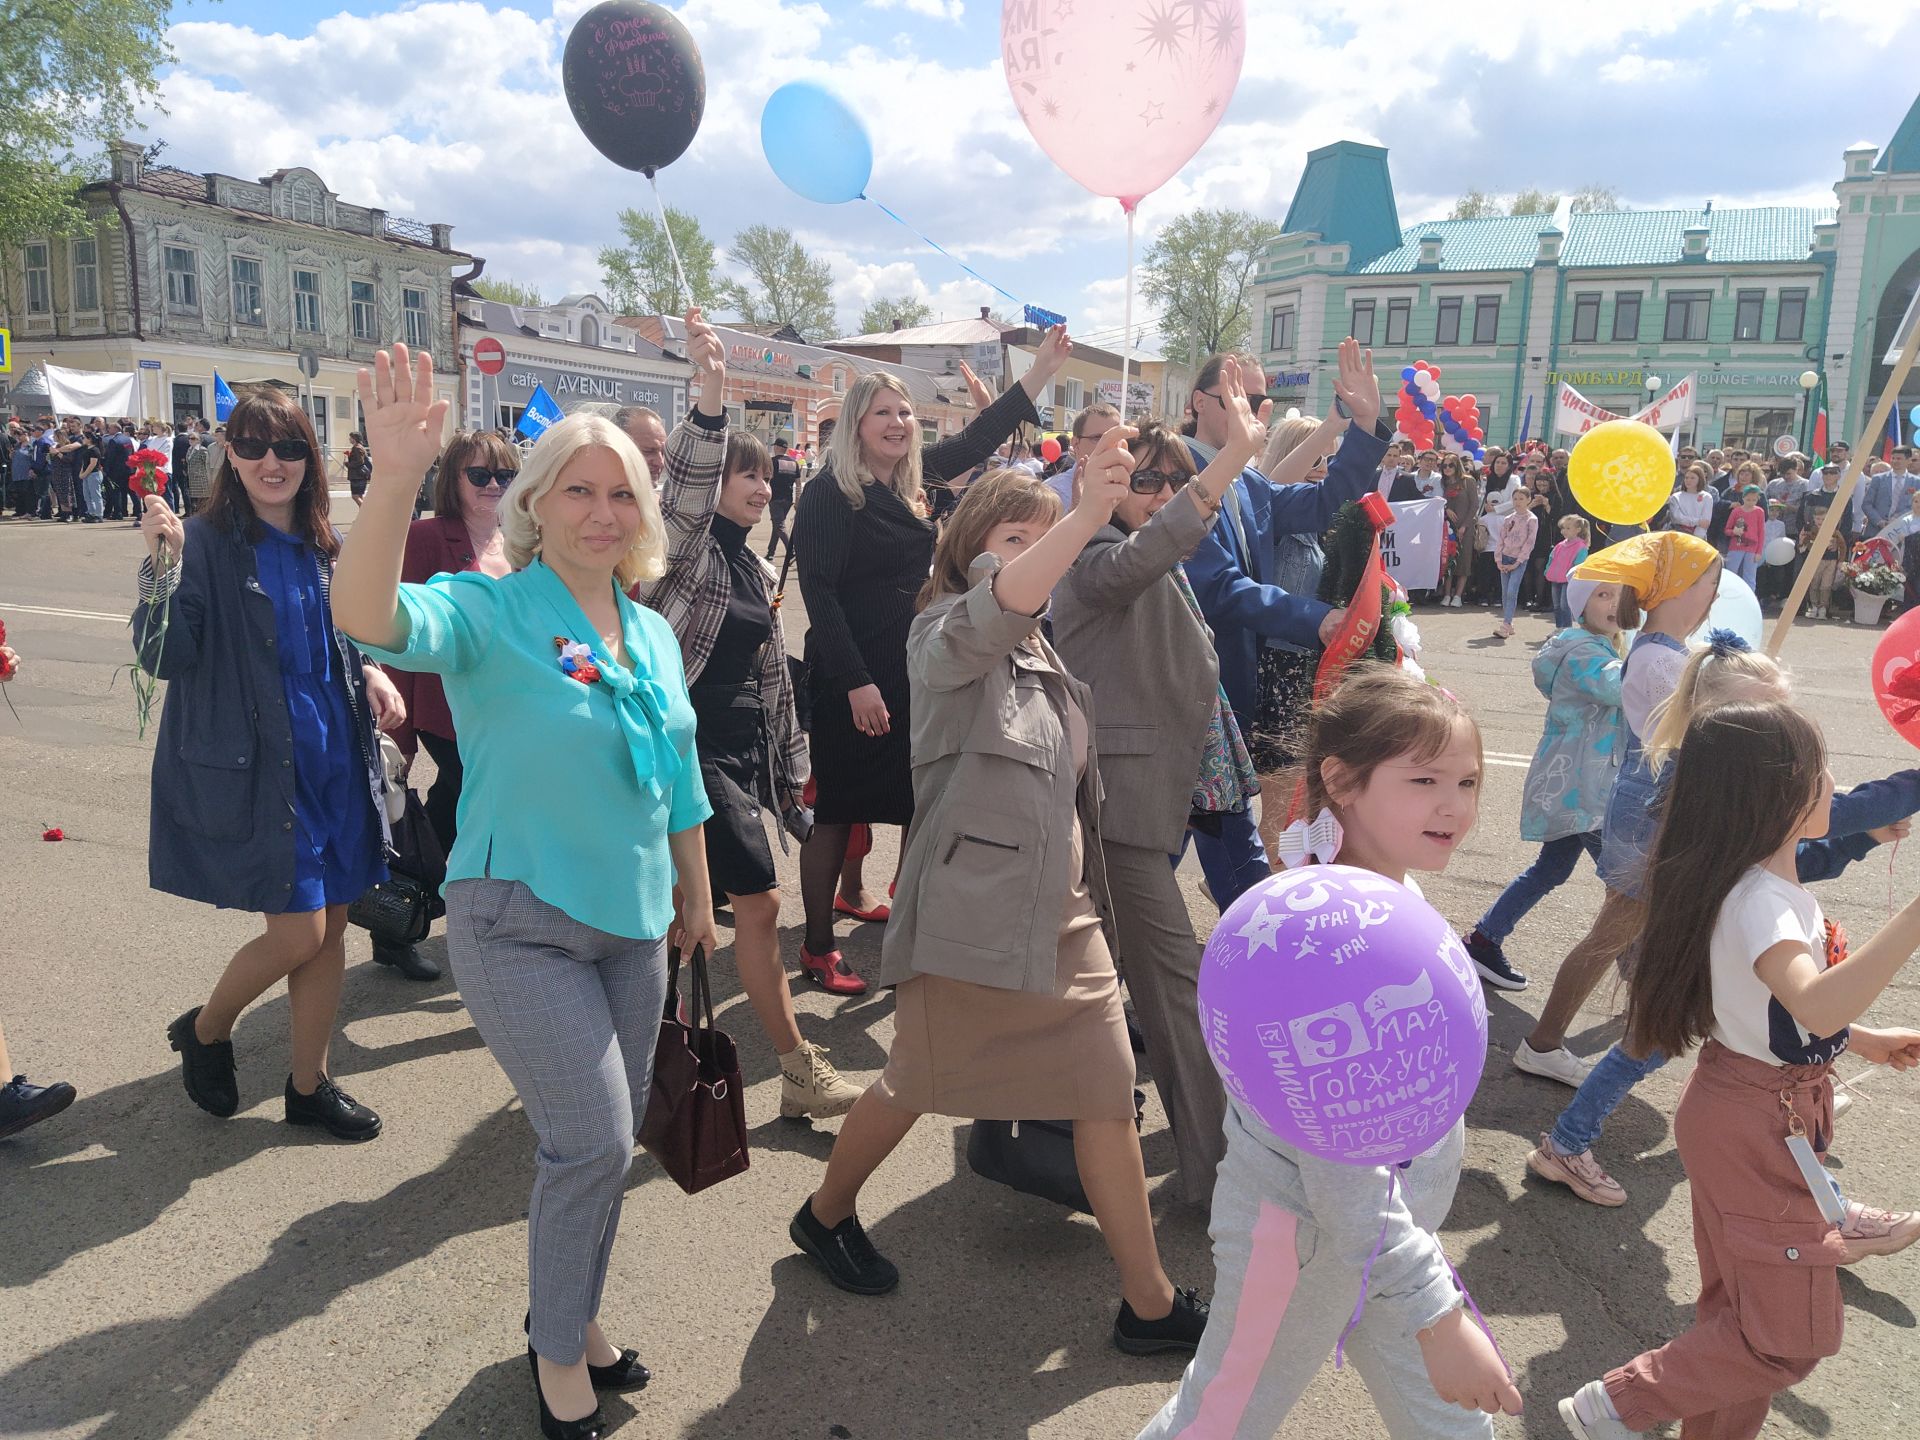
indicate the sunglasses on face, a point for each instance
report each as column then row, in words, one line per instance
column 248, row 448
column 1150, row 482
column 479, row 475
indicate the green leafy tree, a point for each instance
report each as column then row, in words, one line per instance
column 1596, row 200
column 74, row 71
column 886, row 313
column 1475, row 205
column 1533, row 202
column 784, row 285
column 1197, row 272
column 508, row 292
column 639, row 275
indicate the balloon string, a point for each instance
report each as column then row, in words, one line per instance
column 944, row 251
column 686, row 290
column 1126, row 340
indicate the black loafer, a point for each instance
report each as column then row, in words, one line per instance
column 843, row 1252
column 22, row 1104
column 407, row 959
column 626, row 1373
column 331, row 1108
column 206, row 1069
column 1179, row 1329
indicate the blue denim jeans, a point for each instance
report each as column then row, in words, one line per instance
column 90, row 499
column 1562, row 615
column 1234, row 861
column 1745, row 564
column 1550, row 870
column 1510, row 591
column 1605, row 1087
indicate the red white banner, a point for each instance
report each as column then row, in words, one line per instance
column 1574, row 414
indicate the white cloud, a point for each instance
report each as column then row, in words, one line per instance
column 953, row 10
column 1634, row 68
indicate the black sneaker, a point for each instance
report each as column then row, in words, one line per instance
column 844, row 1252
column 1179, row 1329
column 332, row 1108
column 1491, row 961
column 407, row 959
column 22, row 1104
column 207, row 1070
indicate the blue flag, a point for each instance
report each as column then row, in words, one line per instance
column 222, row 399
column 540, row 413
column 1527, row 423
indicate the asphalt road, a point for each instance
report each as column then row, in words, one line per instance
column 165, row 1273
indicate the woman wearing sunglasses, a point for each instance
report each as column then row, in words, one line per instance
column 266, row 781
column 1126, row 622
column 463, row 533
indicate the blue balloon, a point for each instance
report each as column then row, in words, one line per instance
column 816, row 144
column 1913, row 416
column 1407, row 372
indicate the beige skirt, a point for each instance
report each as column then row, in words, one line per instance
column 985, row 1053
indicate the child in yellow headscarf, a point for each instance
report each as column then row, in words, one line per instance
column 1667, row 582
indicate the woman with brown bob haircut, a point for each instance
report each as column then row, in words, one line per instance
column 266, row 781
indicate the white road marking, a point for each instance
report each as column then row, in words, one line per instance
column 9, row 608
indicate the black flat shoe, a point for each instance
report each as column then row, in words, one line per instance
column 206, row 1069
column 331, row 1108
column 585, row 1428
column 407, row 959
column 22, row 1104
column 1179, row 1329
column 626, row 1373
column 844, row 1252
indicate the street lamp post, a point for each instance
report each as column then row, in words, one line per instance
column 1809, row 382
column 1652, row 383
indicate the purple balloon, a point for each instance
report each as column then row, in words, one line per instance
column 1340, row 1008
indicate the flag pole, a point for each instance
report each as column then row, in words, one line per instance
column 1876, row 425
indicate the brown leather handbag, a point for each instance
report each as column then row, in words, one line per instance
column 696, row 1121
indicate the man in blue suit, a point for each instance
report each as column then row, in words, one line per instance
column 1232, row 569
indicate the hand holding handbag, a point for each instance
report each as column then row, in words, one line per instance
column 696, row 1121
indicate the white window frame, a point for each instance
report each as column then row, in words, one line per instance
column 371, row 307
column 190, row 275
column 302, row 297
column 74, row 267
column 1354, row 307
column 1292, row 316
column 419, row 336
column 257, row 318
column 45, row 272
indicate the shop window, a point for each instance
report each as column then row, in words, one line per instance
column 1399, row 314
column 249, row 295
column 85, row 255
column 1626, row 315
column 1486, row 320
column 1280, row 329
column 364, row 320
column 1747, row 307
column 39, row 279
column 1586, row 318
column 1790, row 321
column 183, row 279
column 1753, row 427
column 1687, row 314
column 1362, row 327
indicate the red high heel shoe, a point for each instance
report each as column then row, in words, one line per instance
column 831, row 972
column 878, row 915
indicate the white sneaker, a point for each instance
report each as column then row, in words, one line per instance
column 810, row 1086
column 1557, row 1064
column 1586, row 1416
column 1842, row 1102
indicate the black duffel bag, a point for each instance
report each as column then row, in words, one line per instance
column 1034, row 1157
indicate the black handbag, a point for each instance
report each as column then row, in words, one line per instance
column 1034, row 1157
column 402, row 908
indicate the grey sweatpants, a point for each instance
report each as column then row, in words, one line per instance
column 572, row 1014
column 1281, row 1299
column 1160, row 958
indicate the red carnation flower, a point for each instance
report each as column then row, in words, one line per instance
column 56, row 833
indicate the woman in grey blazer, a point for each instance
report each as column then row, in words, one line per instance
column 1007, row 1004
column 1126, row 622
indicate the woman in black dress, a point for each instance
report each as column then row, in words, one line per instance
column 864, row 544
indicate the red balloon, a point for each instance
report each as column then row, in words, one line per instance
column 1468, row 401
column 1420, row 365
column 1896, row 676
column 1434, row 371
column 1049, row 450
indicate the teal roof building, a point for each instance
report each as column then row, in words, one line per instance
column 1778, row 310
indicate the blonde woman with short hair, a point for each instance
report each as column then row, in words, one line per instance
column 863, row 541
column 582, row 812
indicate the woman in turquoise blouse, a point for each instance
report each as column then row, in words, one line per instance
column 582, row 807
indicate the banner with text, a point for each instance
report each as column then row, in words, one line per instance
column 1574, row 414
column 1411, row 547
column 1139, row 396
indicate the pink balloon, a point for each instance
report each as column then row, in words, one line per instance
column 1122, row 93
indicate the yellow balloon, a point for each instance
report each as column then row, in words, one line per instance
column 1621, row 472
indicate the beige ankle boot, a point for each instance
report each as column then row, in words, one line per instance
column 810, row 1086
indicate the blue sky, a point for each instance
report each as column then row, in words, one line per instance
column 451, row 110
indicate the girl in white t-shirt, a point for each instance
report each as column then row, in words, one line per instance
column 1735, row 953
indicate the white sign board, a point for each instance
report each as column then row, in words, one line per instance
column 1139, row 396
column 1411, row 547
column 985, row 359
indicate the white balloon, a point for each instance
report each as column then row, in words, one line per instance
column 1734, row 608
column 1781, row 550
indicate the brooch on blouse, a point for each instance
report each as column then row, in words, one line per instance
column 577, row 660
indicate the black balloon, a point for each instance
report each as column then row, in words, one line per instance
column 635, row 82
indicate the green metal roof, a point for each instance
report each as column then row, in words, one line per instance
column 1763, row 234
column 1346, row 194
column 1903, row 151
column 1502, row 242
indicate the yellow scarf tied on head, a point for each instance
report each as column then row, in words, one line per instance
column 1659, row 566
